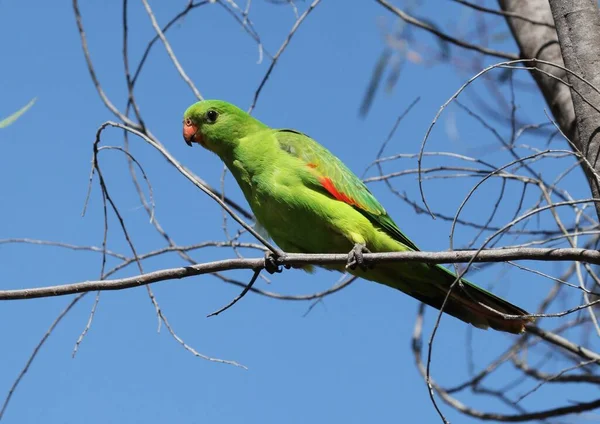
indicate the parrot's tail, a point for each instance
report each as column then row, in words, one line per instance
column 467, row 302
column 475, row 305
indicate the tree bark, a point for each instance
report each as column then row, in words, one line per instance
column 541, row 42
column 578, row 27
column 575, row 44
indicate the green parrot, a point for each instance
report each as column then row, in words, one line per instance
column 308, row 201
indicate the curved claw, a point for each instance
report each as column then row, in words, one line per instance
column 356, row 257
column 271, row 265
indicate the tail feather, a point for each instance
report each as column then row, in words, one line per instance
column 467, row 302
column 476, row 306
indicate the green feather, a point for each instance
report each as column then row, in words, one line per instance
column 305, row 148
column 310, row 202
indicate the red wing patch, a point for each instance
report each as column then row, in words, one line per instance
column 311, row 165
column 328, row 185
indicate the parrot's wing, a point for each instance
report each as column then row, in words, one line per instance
column 333, row 177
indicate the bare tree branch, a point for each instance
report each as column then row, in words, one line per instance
column 92, row 71
column 461, row 43
column 513, row 15
column 293, row 259
column 417, row 344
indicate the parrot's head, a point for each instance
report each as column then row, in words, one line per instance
column 217, row 125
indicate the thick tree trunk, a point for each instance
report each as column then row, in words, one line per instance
column 578, row 27
column 541, row 42
column 577, row 40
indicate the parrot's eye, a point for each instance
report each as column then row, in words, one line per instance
column 212, row 116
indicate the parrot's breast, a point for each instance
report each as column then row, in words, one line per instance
column 298, row 216
column 296, row 219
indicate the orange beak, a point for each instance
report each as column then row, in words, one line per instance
column 190, row 133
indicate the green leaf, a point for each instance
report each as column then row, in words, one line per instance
column 12, row 118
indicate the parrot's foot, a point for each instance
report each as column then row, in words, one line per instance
column 356, row 258
column 271, row 265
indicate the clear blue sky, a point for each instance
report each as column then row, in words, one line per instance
column 349, row 360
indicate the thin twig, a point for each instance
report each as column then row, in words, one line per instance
column 280, row 51
column 170, row 52
column 37, row 348
column 443, row 36
column 238, row 297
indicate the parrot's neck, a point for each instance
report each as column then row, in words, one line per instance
column 255, row 155
column 252, row 162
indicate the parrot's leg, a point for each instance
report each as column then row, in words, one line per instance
column 356, row 257
column 271, row 265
